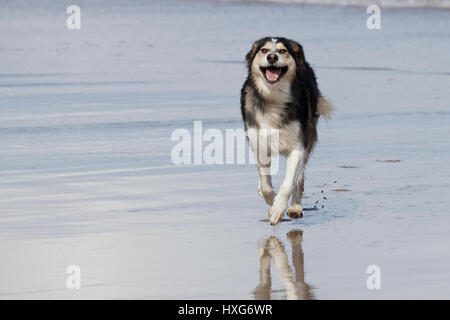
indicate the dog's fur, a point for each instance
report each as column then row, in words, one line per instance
column 281, row 104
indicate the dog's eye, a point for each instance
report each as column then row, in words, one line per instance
column 264, row 50
column 282, row 51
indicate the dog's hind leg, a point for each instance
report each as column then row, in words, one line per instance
column 294, row 163
column 295, row 210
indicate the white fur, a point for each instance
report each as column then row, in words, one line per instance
column 278, row 93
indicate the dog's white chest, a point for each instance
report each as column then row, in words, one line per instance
column 272, row 134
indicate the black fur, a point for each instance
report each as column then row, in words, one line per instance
column 304, row 90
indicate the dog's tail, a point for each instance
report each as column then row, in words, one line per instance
column 325, row 108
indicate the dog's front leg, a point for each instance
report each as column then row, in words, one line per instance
column 258, row 140
column 265, row 188
column 281, row 200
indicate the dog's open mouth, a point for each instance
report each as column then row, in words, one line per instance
column 273, row 74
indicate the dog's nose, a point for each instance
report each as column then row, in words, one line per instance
column 272, row 58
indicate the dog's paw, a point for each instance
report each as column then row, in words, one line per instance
column 295, row 212
column 275, row 215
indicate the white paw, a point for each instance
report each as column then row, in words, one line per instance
column 276, row 212
column 275, row 215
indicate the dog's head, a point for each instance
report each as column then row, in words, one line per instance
column 275, row 60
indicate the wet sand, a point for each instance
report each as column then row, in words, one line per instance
column 86, row 176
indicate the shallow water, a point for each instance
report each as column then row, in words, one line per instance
column 86, row 175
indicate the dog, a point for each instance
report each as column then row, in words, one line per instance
column 281, row 104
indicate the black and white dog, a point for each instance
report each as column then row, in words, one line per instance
column 281, row 104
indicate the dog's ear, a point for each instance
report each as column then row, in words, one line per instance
column 251, row 54
column 299, row 55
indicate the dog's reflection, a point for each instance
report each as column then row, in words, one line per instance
column 273, row 249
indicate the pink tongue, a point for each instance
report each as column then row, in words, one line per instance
column 272, row 75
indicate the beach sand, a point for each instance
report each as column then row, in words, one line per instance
column 86, row 176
